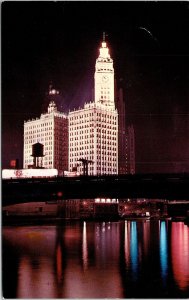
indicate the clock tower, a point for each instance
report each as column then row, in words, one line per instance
column 104, row 77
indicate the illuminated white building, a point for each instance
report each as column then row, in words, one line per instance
column 93, row 130
column 51, row 130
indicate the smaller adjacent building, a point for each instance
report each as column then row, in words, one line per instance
column 50, row 130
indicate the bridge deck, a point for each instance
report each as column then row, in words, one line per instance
column 152, row 186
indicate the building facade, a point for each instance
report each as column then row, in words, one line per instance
column 130, row 150
column 93, row 130
column 51, row 130
column 126, row 138
column 122, row 153
column 95, row 134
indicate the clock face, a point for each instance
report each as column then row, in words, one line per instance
column 105, row 78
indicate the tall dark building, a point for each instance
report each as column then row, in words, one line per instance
column 120, row 105
column 130, row 150
column 126, row 138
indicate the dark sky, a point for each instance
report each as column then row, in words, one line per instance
column 58, row 42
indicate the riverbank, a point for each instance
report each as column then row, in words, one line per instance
column 44, row 220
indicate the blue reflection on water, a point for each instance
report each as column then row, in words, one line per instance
column 163, row 250
column 134, row 250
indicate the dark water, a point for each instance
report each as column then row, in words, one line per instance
column 126, row 259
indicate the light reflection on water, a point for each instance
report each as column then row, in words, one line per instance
column 180, row 251
column 135, row 259
column 134, row 250
column 163, row 250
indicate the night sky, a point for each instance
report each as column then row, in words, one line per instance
column 58, row 43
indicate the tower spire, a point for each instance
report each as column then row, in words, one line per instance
column 104, row 36
column 104, row 77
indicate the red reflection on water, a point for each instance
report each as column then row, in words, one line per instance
column 180, row 254
column 68, row 262
column 146, row 234
column 127, row 242
column 59, row 262
column 96, row 276
column 35, row 282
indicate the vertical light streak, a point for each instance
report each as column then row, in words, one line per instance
column 84, row 247
column 59, row 262
column 126, row 244
column 163, row 251
column 180, row 254
column 134, row 250
column 146, row 237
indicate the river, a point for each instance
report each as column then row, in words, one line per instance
column 83, row 259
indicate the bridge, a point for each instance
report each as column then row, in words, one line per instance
column 151, row 186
